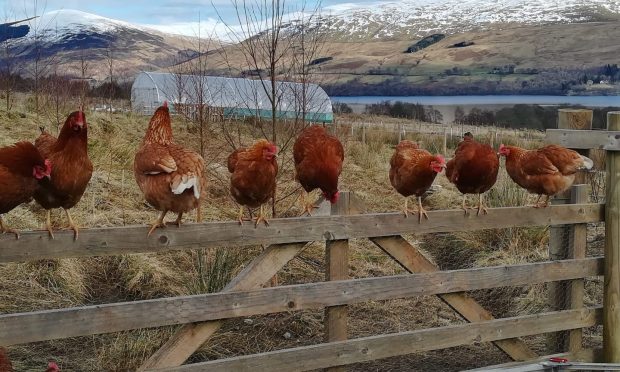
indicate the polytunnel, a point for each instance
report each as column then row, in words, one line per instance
column 235, row 97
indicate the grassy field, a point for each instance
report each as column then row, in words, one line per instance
column 113, row 199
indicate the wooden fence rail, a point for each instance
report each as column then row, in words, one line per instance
column 132, row 239
column 384, row 346
column 96, row 319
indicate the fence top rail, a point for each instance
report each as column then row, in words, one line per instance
column 37, row 245
column 575, row 139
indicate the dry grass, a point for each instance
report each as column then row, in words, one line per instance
column 113, row 199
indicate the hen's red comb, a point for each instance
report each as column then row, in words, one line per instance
column 165, row 104
column 52, row 367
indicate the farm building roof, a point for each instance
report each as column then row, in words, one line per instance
column 237, row 97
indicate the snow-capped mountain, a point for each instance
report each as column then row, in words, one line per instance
column 67, row 36
column 416, row 18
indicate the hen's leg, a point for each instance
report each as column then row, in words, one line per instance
column 481, row 207
column 159, row 222
column 177, row 221
column 261, row 217
column 240, row 216
column 198, row 213
column 421, row 211
column 72, row 225
column 546, row 202
column 48, row 223
column 406, row 209
column 537, row 204
column 464, row 206
column 308, row 206
column 4, row 229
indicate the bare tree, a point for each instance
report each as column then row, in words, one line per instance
column 10, row 68
column 109, row 53
column 84, row 77
column 309, row 41
column 264, row 45
column 40, row 61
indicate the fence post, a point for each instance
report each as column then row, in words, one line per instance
column 337, row 268
column 611, row 291
column 445, row 141
column 559, row 245
column 364, row 133
column 577, row 244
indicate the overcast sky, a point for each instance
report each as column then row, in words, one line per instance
column 165, row 14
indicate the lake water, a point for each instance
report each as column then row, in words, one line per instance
column 447, row 104
column 590, row 101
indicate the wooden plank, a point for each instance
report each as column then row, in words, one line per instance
column 81, row 321
column 384, row 346
column 191, row 336
column 337, row 268
column 574, row 139
column 413, row 261
column 559, row 292
column 128, row 240
column 577, row 246
column 611, row 290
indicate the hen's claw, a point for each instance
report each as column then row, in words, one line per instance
column 406, row 210
column 176, row 222
column 421, row 211
column 481, row 207
column 308, row 208
column 464, row 205
column 261, row 218
column 48, row 224
column 72, row 225
column 157, row 223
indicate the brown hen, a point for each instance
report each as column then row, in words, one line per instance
column 473, row 169
column 253, row 179
column 5, row 363
column 547, row 171
column 171, row 177
column 21, row 169
column 71, row 171
column 412, row 172
column 318, row 163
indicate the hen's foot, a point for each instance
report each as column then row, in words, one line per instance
column 176, row 222
column 159, row 222
column 481, row 207
column 261, row 217
column 421, row 211
column 48, row 224
column 464, row 206
column 308, row 208
column 406, row 210
column 72, row 225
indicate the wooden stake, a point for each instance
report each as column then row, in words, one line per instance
column 337, row 268
column 611, row 291
column 559, row 245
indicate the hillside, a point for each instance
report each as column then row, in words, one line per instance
column 517, row 59
column 62, row 38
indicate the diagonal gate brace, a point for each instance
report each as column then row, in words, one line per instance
column 413, row 261
column 191, row 336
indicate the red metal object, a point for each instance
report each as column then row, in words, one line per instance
column 558, row 360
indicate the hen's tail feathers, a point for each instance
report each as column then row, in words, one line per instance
column 187, row 181
column 587, row 162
